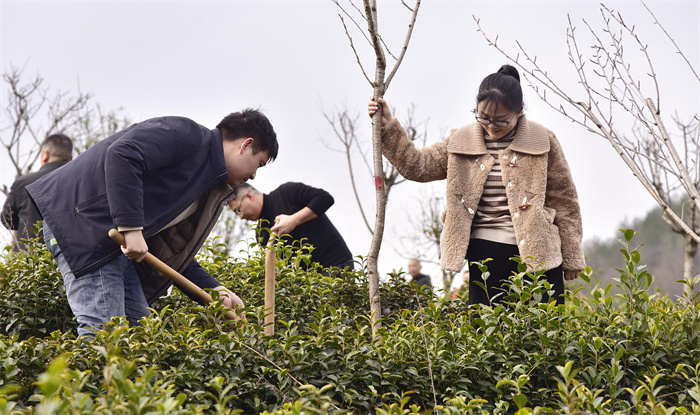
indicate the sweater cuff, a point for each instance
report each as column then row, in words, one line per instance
column 573, row 264
column 122, row 228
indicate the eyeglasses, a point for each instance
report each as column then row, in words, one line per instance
column 237, row 211
column 499, row 123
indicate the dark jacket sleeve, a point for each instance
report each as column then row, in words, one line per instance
column 314, row 198
column 199, row 277
column 10, row 218
column 148, row 146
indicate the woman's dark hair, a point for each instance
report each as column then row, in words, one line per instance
column 502, row 88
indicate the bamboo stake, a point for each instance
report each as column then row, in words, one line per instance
column 270, row 269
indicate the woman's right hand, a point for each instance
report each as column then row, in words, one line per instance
column 372, row 108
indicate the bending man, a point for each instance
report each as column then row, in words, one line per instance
column 298, row 210
column 163, row 183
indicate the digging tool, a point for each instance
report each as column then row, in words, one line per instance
column 270, row 268
column 173, row 275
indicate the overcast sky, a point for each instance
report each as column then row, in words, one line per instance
column 292, row 59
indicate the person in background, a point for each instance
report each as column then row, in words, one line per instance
column 19, row 213
column 509, row 190
column 298, row 210
column 414, row 268
column 163, row 183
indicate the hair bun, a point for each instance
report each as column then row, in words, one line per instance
column 509, row 70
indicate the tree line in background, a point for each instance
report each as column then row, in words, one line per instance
column 662, row 248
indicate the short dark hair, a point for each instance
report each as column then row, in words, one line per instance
column 59, row 146
column 502, row 88
column 250, row 123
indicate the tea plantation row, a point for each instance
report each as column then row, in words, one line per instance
column 632, row 353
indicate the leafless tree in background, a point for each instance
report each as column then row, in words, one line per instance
column 32, row 113
column 380, row 84
column 667, row 186
column 94, row 125
column 345, row 129
column 421, row 236
column 612, row 92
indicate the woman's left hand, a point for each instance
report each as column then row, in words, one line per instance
column 571, row 275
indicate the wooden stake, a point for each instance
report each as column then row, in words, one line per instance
column 270, row 270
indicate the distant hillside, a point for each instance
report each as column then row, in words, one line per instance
column 662, row 252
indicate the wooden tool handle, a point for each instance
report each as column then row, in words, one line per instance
column 175, row 276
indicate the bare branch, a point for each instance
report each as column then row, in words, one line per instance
column 352, row 45
column 28, row 103
column 386, row 47
column 346, row 135
column 337, row 3
column 409, row 32
column 687, row 183
column 678, row 50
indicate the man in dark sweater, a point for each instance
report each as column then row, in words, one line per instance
column 297, row 210
column 414, row 268
column 19, row 214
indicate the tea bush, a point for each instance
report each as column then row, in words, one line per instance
column 635, row 352
column 33, row 301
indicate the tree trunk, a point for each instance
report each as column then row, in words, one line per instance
column 691, row 250
column 375, row 302
column 373, row 255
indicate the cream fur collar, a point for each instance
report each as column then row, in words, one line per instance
column 530, row 138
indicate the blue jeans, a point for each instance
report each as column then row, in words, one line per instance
column 109, row 291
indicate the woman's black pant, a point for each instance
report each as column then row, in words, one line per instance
column 500, row 268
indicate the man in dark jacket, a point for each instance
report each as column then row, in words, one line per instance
column 414, row 268
column 298, row 210
column 163, row 183
column 19, row 214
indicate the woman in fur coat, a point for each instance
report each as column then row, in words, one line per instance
column 509, row 191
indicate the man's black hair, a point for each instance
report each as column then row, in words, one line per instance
column 250, row 123
column 59, row 146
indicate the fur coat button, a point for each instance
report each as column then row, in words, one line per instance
column 482, row 167
column 471, row 211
